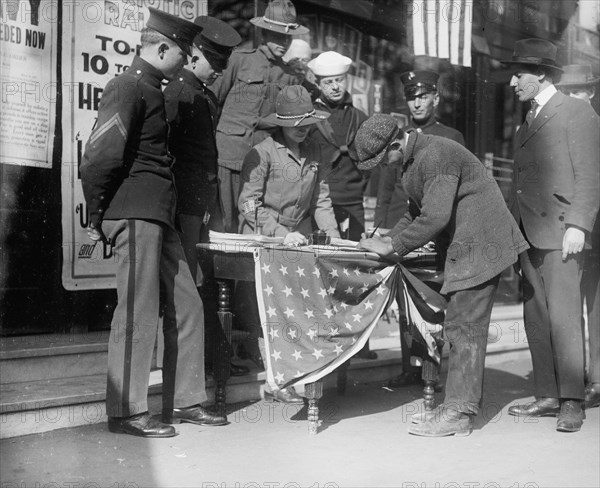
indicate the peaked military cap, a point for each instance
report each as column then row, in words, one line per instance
column 179, row 30
column 420, row 81
column 280, row 16
column 216, row 40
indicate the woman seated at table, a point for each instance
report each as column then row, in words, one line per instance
column 282, row 187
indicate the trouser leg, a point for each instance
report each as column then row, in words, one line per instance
column 229, row 186
column 591, row 291
column 135, row 321
column 466, row 328
column 183, row 328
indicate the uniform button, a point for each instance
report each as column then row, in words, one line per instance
column 519, row 191
column 138, row 71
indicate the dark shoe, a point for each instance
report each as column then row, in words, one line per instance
column 570, row 418
column 592, row 395
column 544, row 407
column 411, row 379
column 238, row 370
column 285, row 395
column 196, row 414
column 141, row 425
column 442, row 422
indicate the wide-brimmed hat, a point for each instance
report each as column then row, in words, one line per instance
column 280, row 16
column 179, row 30
column 534, row 52
column 216, row 40
column 330, row 63
column 294, row 108
column 577, row 75
column 373, row 138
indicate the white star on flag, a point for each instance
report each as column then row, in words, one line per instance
column 346, row 272
column 297, row 354
column 318, row 353
column 288, row 291
column 349, row 290
column 279, row 377
column 276, row 355
column 368, row 305
column 356, row 317
column 309, row 314
column 283, row 270
column 304, row 293
column 292, row 333
column 328, row 313
column 338, row 350
column 269, row 290
column 333, row 273
column 266, row 268
column 272, row 312
column 300, row 271
column 289, row 313
column 273, row 333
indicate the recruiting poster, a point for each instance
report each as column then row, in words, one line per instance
column 28, row 31
column 100, row 39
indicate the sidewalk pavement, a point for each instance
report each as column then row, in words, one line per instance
column 363, row 442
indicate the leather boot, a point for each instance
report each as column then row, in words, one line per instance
column 592, row 395
column 570, row 418
column 196, row 414
column 544, row 407
column 141, row 425
column 285, row 395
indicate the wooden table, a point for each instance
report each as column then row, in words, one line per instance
column 236, row 262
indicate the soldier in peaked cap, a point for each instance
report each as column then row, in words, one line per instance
column 128, row 186
column 247, row 92
column 422, row 97
column 192, row 113
column 554, row 199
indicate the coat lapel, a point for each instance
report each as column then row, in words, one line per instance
column 548, row 111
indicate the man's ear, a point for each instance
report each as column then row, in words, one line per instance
column 436, row 99
column 592, row 92
column 163, row 47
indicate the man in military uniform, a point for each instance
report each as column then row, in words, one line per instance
column 422, row 97
column 246, row 93
column 126, row 177
column 192, row 113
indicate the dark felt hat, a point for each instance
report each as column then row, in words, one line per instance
column 534, row 52
column 577, row 75
column 373, row 138
column 216, row 40
column 280, row 16
column 294, row 108
column 179, row 30
column 420, row 81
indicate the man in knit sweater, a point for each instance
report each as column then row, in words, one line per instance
column 449, row 190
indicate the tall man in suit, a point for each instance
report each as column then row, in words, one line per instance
column 555, row 200
column 126, row 177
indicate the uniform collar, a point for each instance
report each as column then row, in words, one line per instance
column 187, row 76
column 142, row 66
column 347, row 100
column 429, row 123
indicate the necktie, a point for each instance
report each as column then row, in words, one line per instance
column 531, row 114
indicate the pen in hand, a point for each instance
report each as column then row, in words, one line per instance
column 375, row 229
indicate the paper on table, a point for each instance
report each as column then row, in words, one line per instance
column 224, row 237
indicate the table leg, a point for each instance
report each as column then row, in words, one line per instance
column 313, row 391
column 225, row 318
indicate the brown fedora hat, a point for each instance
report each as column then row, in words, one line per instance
column 534, row 52
column 294, row 108
column 577, row 75
column 280, row 16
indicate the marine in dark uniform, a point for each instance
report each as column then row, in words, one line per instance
column 126, row 177
column 192, row 112
column 421, row 93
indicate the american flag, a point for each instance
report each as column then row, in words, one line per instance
column 317, row 309
column 443, row 29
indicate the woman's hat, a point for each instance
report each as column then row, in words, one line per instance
column 294, row 108
column 373, row 138
column 577, row 75
column 280, row 16
column 534, row 52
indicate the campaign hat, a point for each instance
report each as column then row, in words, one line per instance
column 294, row 108
column 534, row 52
column 280, row 16
column 418, row 82
column 216, row 40
column 577, row 75
column 373, row 138
column 330, row 63
column 179, row 30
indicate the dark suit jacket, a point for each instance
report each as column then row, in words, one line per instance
column 556, row 178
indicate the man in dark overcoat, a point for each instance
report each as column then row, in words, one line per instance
column 126, row 177
column 449, row 191
column 555, row 200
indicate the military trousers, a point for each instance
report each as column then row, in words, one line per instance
column 153, row 277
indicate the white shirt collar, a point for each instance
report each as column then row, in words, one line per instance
column 546, row 94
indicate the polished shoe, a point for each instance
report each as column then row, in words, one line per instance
column 592, row 395
column 570, row 418
column 196, row 414
column 442, row 422
column 285, row 395
column 141, row 425
column 238, row 370
column 544, row 407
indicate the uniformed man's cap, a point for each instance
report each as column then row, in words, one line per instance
column 179, row 30
column 216, row 40
column 419, row 82
column 330, row 63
